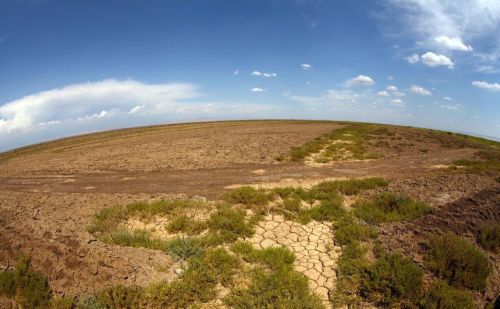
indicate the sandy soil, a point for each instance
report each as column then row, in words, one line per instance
column 49, row 193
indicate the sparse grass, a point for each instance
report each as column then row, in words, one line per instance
column 247, row 195
column 230, row 224
column 392, row 280
column 442, row 296
column 275, row 258
column 347, row 187
column 348, row 230
column 136, row 238
column 487, row 161
column 327, row 210
column 390, row 207
column 489, row 238
column 186, row 224
column 182, row 248
column 283, row 288
column 457, row 261
column 29, row 288
column 341, row 144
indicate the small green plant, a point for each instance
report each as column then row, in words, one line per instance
column 489, row 238
column 283, row 288
column 274, row 258
column 457, row 261
column 389, row 207
column 230, row 224
column 327, row 189
column 247, row 195
column 28, row 287
column 348, row 230
column 327, row 210
column 182, row 248
column 136, row 238
column 442, row 296
column 186, row 224
column 392, row 279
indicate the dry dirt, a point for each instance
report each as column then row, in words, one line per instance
column 49, row 193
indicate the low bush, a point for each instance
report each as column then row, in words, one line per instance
column 230, row 224
column 274, row 258
column 442, row 296
column 283, row 288
column 181, row 248
column 348, row 231
column 327, row 210
column 389, row 207
column 28, row 287
column 247, row 195
column 136, row 238
column 327, row 189
column 489, row 238
column 457, row 261
column 392, row 279
column 186, row 224
column 118, row 296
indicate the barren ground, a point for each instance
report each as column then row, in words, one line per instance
column 49, row 193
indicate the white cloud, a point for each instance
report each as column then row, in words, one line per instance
column 487, row 69
column 306, row 66
column 486, row 85
column 92, row 100
column 236, row 72
column 390, row 77
column 258, row 73
column 412, row 59
column 429, row 19
column 257, row 89
column 391, row 88
column 399, row 94
column 397, row 102
column 453, row 43
column 447, row 99
column 433, row 60
column 383, row 94
column 360, row 80
column 420, row 90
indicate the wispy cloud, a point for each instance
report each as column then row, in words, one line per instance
column 420, row 90
column 486, row 85
column 360, row 80
column 263, row 74
column 306, row 66
column 257, row 89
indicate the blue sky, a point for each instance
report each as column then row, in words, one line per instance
column 71, row 67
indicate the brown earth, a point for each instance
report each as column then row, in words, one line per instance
column 49, row 192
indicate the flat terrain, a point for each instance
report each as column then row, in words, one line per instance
column 50, row 193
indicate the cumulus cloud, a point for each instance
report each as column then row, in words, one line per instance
column 397, row 102
column 447, row 99
column 257, row 89
column 92, row 100
column 433, row 60
column 263, row 74
column 453, row 43
column 413, row 58
column 391, row 88
column 420, row 90
column 486, row 85
column 306, row 66
column 383, row 94
column 360, row 80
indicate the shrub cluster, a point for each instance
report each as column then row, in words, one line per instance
column 489, row 238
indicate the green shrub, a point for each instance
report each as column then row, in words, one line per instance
column 28, row 287
column 489, row 238
column 62, row 303
column 442, row 296
column 230, row 224
column 274, row 258
column 197, row 283
column 182, row 248
column 348, row 231
column 283, row 288
column 247, row 195
column 186, row 224
column 392, row 279
column 120, row 296
column 457, row 261
column 389, row 207
column 327, row 210
column 137, row 238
